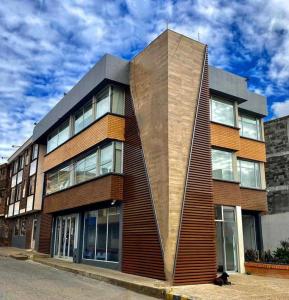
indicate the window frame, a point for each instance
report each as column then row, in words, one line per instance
column 233, row 159
column 257, row 177
column 72, row 165
column 224, row 101
column 258, row 125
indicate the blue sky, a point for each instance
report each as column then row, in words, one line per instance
column 47, row 46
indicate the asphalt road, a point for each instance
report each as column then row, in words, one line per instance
column 27, row 280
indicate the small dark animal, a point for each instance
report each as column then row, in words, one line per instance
column 222, row 280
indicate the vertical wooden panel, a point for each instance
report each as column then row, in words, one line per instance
column 196, row 255
column 142, row 254
column 45, row 233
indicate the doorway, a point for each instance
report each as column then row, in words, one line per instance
column 33, row 233
column 65, row 236
column 227, row 239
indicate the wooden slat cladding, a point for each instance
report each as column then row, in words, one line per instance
column 108, row 127
column 251, row 149
column 196, row 253
column 225, row 137
column 105, row 188
column 45, row 233
column 142, row 254
column 230, row 193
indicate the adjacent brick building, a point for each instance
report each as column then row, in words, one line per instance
column 144, row 159
column 4, row 175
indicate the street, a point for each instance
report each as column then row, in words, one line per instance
column 27, row 280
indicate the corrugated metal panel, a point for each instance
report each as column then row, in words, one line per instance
column 196, row 255
column 142, row 254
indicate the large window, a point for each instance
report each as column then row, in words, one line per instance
column 58, row 136
column 222, row 163
column 110, row 99
column 249, row 173
column 104, row 159
column 223, row 112
column 86, row 168
column 250, row 127
column 83, row 117
column 101, row 235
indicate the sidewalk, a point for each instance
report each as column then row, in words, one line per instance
column 243, row 286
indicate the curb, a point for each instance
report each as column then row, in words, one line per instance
column 145, row 290
column 172, row 296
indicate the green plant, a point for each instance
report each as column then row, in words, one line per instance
column 282, row 253
column 251, row 255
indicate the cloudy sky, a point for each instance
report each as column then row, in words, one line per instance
column 47, row 46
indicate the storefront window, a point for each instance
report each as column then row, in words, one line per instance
column 101, row 235
column 89, row 235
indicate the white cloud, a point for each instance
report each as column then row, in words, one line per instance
column 47, row 46
column 280, row 109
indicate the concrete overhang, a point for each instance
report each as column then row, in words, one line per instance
column 235, row 87
column 109, row 68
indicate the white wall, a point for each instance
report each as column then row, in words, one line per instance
column 275, row 228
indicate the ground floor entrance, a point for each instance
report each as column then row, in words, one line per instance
column 227, row 239
column 65, row 236
column 237, row 232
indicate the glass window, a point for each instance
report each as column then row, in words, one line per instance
column 106, row 155
column 21, row 162
column 249, row 173
column 86, row 168
column 12, row 196
column 222, row 163
column 15, row 167
column 17, row 227
column 52, row 182
column 250, row 127
column 64, row 178
column 118, row 157
column 223, row 112
column 102, row 103
column 32, row 168
column 26, row 157
column 101, row 234
column 14, row 180
column 19, row 176
column 58, row 136
column 18, row 192
column 89, row 235
column 117, row 100
column 24, row 189
column 31, row 189
column 83, row 117
column 113, row 235
column 34, row 151
column 23, row 227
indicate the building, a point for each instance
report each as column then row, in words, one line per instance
column 24, row 202
column 3, row 197
column 275, row 224
column 143, row 177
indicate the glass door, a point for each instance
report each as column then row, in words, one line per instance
column 227, row 239
column 65, row 236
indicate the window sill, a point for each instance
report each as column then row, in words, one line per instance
column 252, row 188
column 74, row 135
column 247, row 138
column 226, row 180
column 226, row 125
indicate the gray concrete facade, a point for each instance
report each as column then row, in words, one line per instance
column 231, row 85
